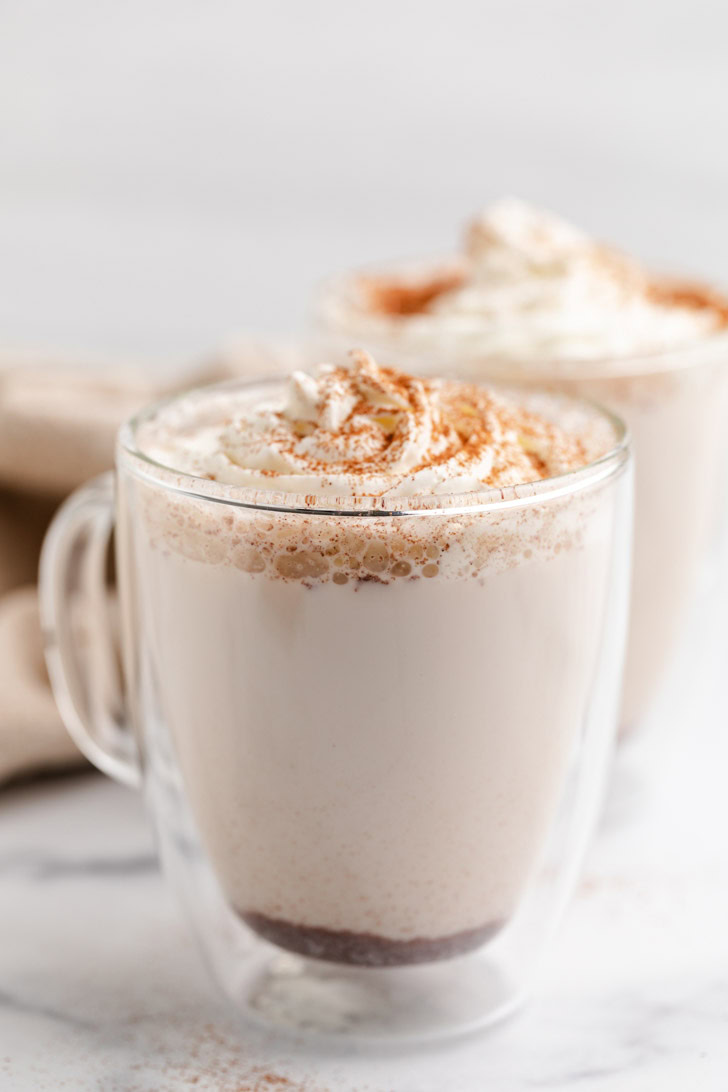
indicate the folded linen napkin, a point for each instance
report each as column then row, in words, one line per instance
column 58, row 423
column 57, row 427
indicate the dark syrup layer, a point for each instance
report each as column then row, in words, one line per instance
column 365, row 949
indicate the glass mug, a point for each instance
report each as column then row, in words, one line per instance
column 675, row 404
column 372, row 736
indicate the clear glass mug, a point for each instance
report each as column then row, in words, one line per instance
column 373, row 739
column 675, row 404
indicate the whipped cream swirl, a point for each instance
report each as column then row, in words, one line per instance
column 531, row 288
column 365, row 430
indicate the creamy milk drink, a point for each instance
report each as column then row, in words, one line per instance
column 372, row 615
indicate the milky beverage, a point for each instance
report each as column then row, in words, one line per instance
column 534, row 300
column 373, row 715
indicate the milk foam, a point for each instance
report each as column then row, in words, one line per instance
column 364, row 430
column 531, row 288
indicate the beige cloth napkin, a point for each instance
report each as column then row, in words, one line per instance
column 57, row 428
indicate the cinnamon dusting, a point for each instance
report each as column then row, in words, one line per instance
column 540, row 239
column 670, row 292
column 399, row 296
column 374, row 427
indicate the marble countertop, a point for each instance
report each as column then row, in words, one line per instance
column 102, row 988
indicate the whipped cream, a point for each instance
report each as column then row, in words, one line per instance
column 531, row 287
column 365, row 430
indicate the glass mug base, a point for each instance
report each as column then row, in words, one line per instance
column 441, row 996
column 447, row 998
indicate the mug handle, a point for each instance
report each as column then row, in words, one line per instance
column 80, row 650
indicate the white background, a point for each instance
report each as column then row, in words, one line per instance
column 172, row 171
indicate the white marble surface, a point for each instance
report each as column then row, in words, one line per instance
column 102, row 988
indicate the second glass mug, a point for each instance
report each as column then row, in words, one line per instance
column 675, row 405
column 373, row 739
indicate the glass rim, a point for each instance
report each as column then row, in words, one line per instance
column 490, row 498
column 332, row 289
